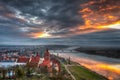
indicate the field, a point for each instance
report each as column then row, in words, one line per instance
column 82, row 73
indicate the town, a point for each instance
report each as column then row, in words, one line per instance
column 18, row 66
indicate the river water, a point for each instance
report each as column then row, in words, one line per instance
column 108, row 67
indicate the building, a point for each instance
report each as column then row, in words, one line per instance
column 23, row 59
column 56, row 64
column 35, row 60
column 7, row 63
column 46, row 61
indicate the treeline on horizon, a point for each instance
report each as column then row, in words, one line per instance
column 107, row 52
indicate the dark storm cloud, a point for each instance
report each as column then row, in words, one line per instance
column 21, row 17
column 60, row 18
column 103, row 38
column 64, row 12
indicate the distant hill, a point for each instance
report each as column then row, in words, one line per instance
column 56, row 47
column 108, row 52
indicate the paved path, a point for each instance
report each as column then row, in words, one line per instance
column 69, row 72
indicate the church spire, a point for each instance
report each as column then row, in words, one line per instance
column 47, row 55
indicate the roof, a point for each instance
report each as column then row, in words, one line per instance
column 35, row 59
column 23, row 59
column 45, row 63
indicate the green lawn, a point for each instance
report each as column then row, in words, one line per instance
column 82, row 73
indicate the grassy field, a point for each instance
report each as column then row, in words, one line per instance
column 82, row 73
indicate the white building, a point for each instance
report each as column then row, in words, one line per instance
column 9, row 63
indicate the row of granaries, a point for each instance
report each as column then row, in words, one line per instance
column 46, row 61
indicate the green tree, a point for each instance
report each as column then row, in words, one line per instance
column 20, row 72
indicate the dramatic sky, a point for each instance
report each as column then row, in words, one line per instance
column 72, row 22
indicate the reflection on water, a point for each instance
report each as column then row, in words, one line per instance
column 108, row 67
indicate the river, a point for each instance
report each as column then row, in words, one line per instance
column 108, row 67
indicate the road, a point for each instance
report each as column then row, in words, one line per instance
column 69, row 72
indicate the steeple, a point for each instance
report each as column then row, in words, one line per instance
column 46, row 55
column 38, row 54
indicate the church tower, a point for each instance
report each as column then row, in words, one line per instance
column 47, row 55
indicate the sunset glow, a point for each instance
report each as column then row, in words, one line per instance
column 114, row 26
column 40, row 35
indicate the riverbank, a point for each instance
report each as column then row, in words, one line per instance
column 108, row 67
column 79, row 72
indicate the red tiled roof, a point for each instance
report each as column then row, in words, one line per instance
column 35, row 59
column 23, row 59
column 45, row 63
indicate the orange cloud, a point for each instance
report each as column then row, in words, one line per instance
column 100, row 16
